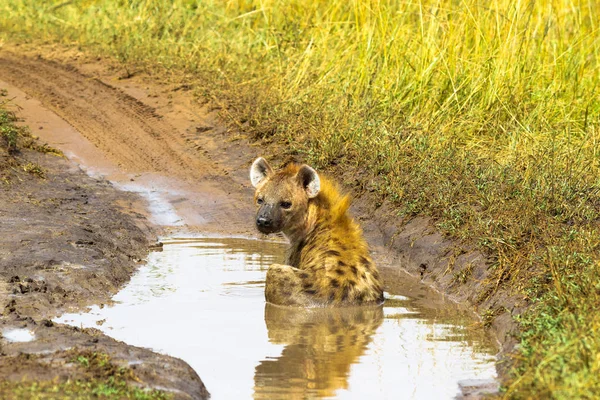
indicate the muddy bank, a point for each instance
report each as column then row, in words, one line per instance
column 57, row 353
column 66, row 243
column 217, row 158
column 452, row 268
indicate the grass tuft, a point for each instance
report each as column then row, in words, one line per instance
column 14, row 138
column 34, row 169
column 9, row 132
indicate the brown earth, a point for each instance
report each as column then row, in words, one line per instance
column 66, row 244
column 157, row 140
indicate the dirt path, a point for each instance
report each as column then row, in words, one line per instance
column 67, row 243
column 162, row 156
column 127, row 131
column 70, row 240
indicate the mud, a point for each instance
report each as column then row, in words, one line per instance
column 453, row 269
column 50, row 357
column 156, row 140
column 65, row 244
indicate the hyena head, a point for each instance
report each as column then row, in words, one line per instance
column 282, row 197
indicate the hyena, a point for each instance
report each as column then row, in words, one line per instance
column 328, row 260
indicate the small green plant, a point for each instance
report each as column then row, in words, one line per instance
column 463, row 275
column 34, row 169
column 8, row 131
column 83, row 360
column 13, row 139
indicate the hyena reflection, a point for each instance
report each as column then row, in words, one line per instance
column 321, row 345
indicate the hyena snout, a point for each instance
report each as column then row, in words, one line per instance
column 266, row 220
column 263, row 222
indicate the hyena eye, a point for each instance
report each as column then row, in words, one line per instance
column 260, row 201
column 285, row 205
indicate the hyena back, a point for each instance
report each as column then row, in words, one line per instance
column 328, row 261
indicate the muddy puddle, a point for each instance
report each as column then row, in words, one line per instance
column 202, row 300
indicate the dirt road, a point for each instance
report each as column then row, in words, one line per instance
column 155, row 140
column 160, row 151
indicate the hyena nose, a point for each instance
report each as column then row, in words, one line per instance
column 264, row 222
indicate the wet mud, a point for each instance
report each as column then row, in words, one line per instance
column 65, row 244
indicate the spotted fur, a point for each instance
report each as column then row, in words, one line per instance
column 328, row 261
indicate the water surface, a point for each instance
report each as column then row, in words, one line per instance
column 18, row 335
column 202, row 300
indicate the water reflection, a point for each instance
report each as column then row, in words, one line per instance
column 320, row 347
column 202, row 300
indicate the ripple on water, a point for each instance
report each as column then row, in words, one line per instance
column 202, row 300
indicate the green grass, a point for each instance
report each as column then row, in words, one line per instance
column 13, row 139
column 483, row 115
column 98, row 378
column 9, row 132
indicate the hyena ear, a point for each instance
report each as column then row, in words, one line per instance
column 310, row 181
column 259, row 170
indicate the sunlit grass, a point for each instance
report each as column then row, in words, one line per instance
column 483, row 115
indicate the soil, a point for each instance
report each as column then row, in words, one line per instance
column 84, row 238
column 65, row 244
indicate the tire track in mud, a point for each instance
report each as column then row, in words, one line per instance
column 128, row 131
column 139, row 141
